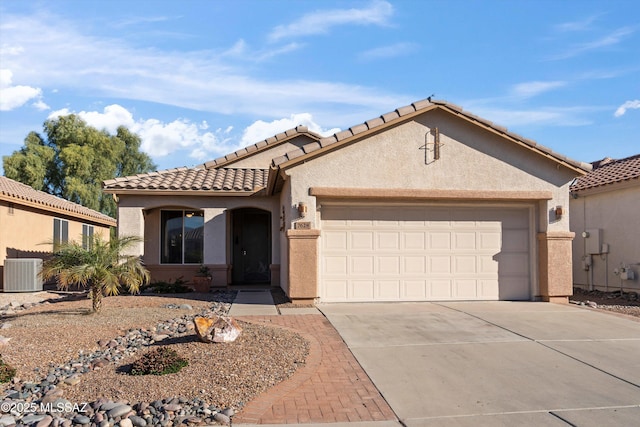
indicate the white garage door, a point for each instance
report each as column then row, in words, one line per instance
column 410, row 253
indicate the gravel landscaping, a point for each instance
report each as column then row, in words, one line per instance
column 66, row 355
column 615, row 301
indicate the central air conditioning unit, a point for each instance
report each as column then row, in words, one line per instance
column 22, row 275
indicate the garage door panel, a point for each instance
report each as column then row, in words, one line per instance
column 387, row 240
column 362, row 290
column 464, row 240
column 388, row 265
column 418, row 253
column 439, row 289
column 465, row 264
column 362, row 265
column 335, row 265
column 465, row 289
column 414, row 290
column 335, row 240
column 515, row 241
column 414, row 265
column 439, row 241
column 439, row 264
column 414, row 240
column 360, row 240
column 388, row 290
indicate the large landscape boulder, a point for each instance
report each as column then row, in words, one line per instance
column 218, row 329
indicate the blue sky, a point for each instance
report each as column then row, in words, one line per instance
column 199, row 79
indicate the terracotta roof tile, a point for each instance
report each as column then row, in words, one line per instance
column 277, row 139
column 195, row 179
column 17, row 190
column 313, row 146
column 418, row 106
column 608, row 171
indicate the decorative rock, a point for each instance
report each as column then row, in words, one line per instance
column 72, row 380
column 4, row 341
column 6, row 326
column 81, row 419
column 126, row 423
column 7, row 420
column 228, row 412
column 185, row 307
column 45, row 422
column 172, row 407
column 220, row 329
column 138, row 421
column 32, row 418
column 222, row 418
column 119, row 411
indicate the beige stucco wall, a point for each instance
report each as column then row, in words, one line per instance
column 28, row 232
column 262, row 159
column 470, row 159
column 615, row 212
column 140, row 216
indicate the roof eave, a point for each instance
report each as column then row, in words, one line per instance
column 199, row 193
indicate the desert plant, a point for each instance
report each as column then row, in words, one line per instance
column 102, row 268
column 178, row 286
column 7, row 372
column 159, row 361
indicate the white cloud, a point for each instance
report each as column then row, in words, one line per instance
column 158, row 139
column 548, row 116
column 211, row 81
column 41, row 105
column 260, row 130
column 611, row 39
column 531, row 89
column 320, row 22
column 391, row 51
column 627, row 105
column 572, row 26
column 12, row 97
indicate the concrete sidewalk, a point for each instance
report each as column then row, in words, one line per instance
column 497, row 363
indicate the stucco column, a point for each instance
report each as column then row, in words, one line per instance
column 555, row 265
column 303, row 265
column 131, row 223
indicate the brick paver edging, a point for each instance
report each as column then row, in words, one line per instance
column 330, row 387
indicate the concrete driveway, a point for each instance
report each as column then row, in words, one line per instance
column 497, row 363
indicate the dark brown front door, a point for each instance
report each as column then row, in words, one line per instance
column 251, row 246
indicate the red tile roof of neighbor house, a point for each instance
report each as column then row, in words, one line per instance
column 19, row 193
column 211, row 176
column 609, row 171
column 222, row 180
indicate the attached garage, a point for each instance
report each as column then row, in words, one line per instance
column 425, row 253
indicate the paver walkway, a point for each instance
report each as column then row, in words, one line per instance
column 331, row 387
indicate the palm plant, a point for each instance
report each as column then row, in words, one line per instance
column 102, row 268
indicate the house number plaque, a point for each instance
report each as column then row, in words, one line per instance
column 302, row 225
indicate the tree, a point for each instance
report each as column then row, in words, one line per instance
column 103, row 268
column 74, row 159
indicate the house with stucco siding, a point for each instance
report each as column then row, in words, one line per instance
column 424, row 203
column 605, row 217
column 32, row 221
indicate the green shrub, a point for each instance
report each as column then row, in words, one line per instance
column 7, row 372
column 159, row 361
column 179, row 286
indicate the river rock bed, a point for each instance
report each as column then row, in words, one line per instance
column 220, row 378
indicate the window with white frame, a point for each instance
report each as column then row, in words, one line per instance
column 182, row 237
column 60, row 232
column 87, row 236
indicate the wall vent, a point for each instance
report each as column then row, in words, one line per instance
column 22, row 275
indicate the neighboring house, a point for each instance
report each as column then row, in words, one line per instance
column 427, row 202
column 605, row 215
column 31, row 218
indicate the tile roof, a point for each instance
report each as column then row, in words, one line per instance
column 413, row 109
column 259, row 146
column 17, row 192
column 608, row 171
column 199, row 179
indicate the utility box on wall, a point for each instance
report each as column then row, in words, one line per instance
column 22, row 275
column 593, row 239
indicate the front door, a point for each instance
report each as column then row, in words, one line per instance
column 251, row 246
